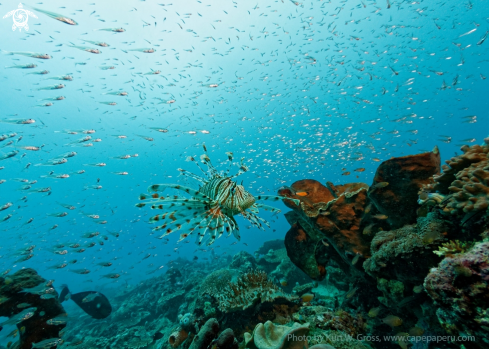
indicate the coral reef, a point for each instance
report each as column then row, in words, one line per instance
column 405, row 254
column 226, row 340
column 460, row 288
column 404, row 176
column 471, row 155
column 134, row 338
column 271, row 336
column 215, row 282
column 12, row 295
column 340, row 216
column 206, row 335
column 177, row 337
column 243, row 261
column 270, row 245
column 450, row 248
column 275, row 256
column 248, row 290
column 335, row 233
column 344, row 322
column 366, row 261
column 471, row 189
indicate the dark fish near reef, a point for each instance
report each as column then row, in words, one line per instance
column 380, row 185
column 99, row 308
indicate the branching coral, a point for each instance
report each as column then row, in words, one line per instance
column 249, row 287
column 450, row 248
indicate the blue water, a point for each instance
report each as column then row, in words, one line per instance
column 303, row 92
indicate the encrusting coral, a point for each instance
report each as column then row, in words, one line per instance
column 402, row 254
column 344, row 322
column 460, row 288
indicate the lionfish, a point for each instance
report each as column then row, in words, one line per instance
column 211, row 209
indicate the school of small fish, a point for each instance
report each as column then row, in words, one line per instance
column 100, row 102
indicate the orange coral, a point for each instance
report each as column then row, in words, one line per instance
column 177, row 337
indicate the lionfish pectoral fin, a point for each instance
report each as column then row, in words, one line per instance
column 146, row 197
column 191, row 175
column 208, row 229
column 233, row 228
column 268, row 208
column 195, row 193
column 255, row 220
column 157, row 187
column 254, row 208
column 276, row 198
column 193, row 222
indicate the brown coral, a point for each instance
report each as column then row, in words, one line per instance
column 405, row 177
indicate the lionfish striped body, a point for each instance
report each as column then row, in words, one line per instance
column 211, row 209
